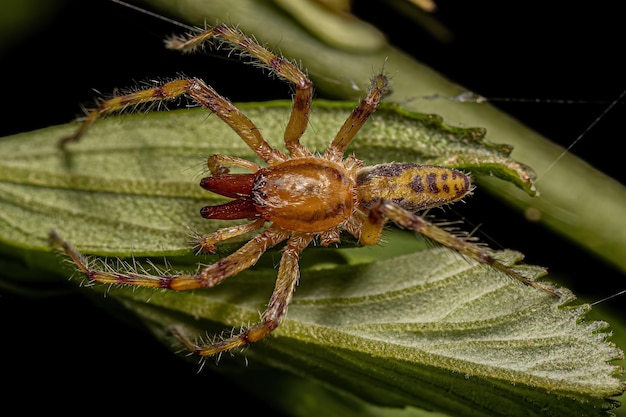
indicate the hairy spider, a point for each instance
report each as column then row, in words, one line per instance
column 304, row 197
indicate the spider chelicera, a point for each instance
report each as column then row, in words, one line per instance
column 304, row 197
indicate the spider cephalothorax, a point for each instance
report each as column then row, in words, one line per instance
column 303, row 197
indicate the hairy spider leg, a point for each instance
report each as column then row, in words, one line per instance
column 288, row 276
column 239, row 122
column 167, row 91
column 378, row 89
column 208, row 242
column 218, row 164
column 200, row 92
column 279, row 66
column 246, row 256
column 209, row 276
column 385, row 210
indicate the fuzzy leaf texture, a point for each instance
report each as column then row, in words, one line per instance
column 402, row 325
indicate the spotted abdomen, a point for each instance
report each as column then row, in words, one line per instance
column 412, row 186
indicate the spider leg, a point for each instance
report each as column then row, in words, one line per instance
column 281, row 67
column 209, row 276
column 377, row 90
column 218, row 164
column 288, row 275
column 200, row 92
column 386, row 210
column 167, row 91
column 208, row 242
column 233, row 117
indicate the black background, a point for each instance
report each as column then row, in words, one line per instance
column 500, row 49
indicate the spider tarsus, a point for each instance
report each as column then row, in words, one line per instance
column 380, row 85
column 78, row 259
column 515, row 275
column 182, row 337
column 217, row 344
column 62, row 144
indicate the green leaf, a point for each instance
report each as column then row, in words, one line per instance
column 401, row 342
column 139, row 176
column 399, row 325
column 112, row 221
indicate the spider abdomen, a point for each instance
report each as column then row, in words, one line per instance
column 412, row 186
column 304, row 194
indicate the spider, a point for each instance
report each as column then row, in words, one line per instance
column 304, row 197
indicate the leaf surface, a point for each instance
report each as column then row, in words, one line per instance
column 402, row 324
column 139, row 173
